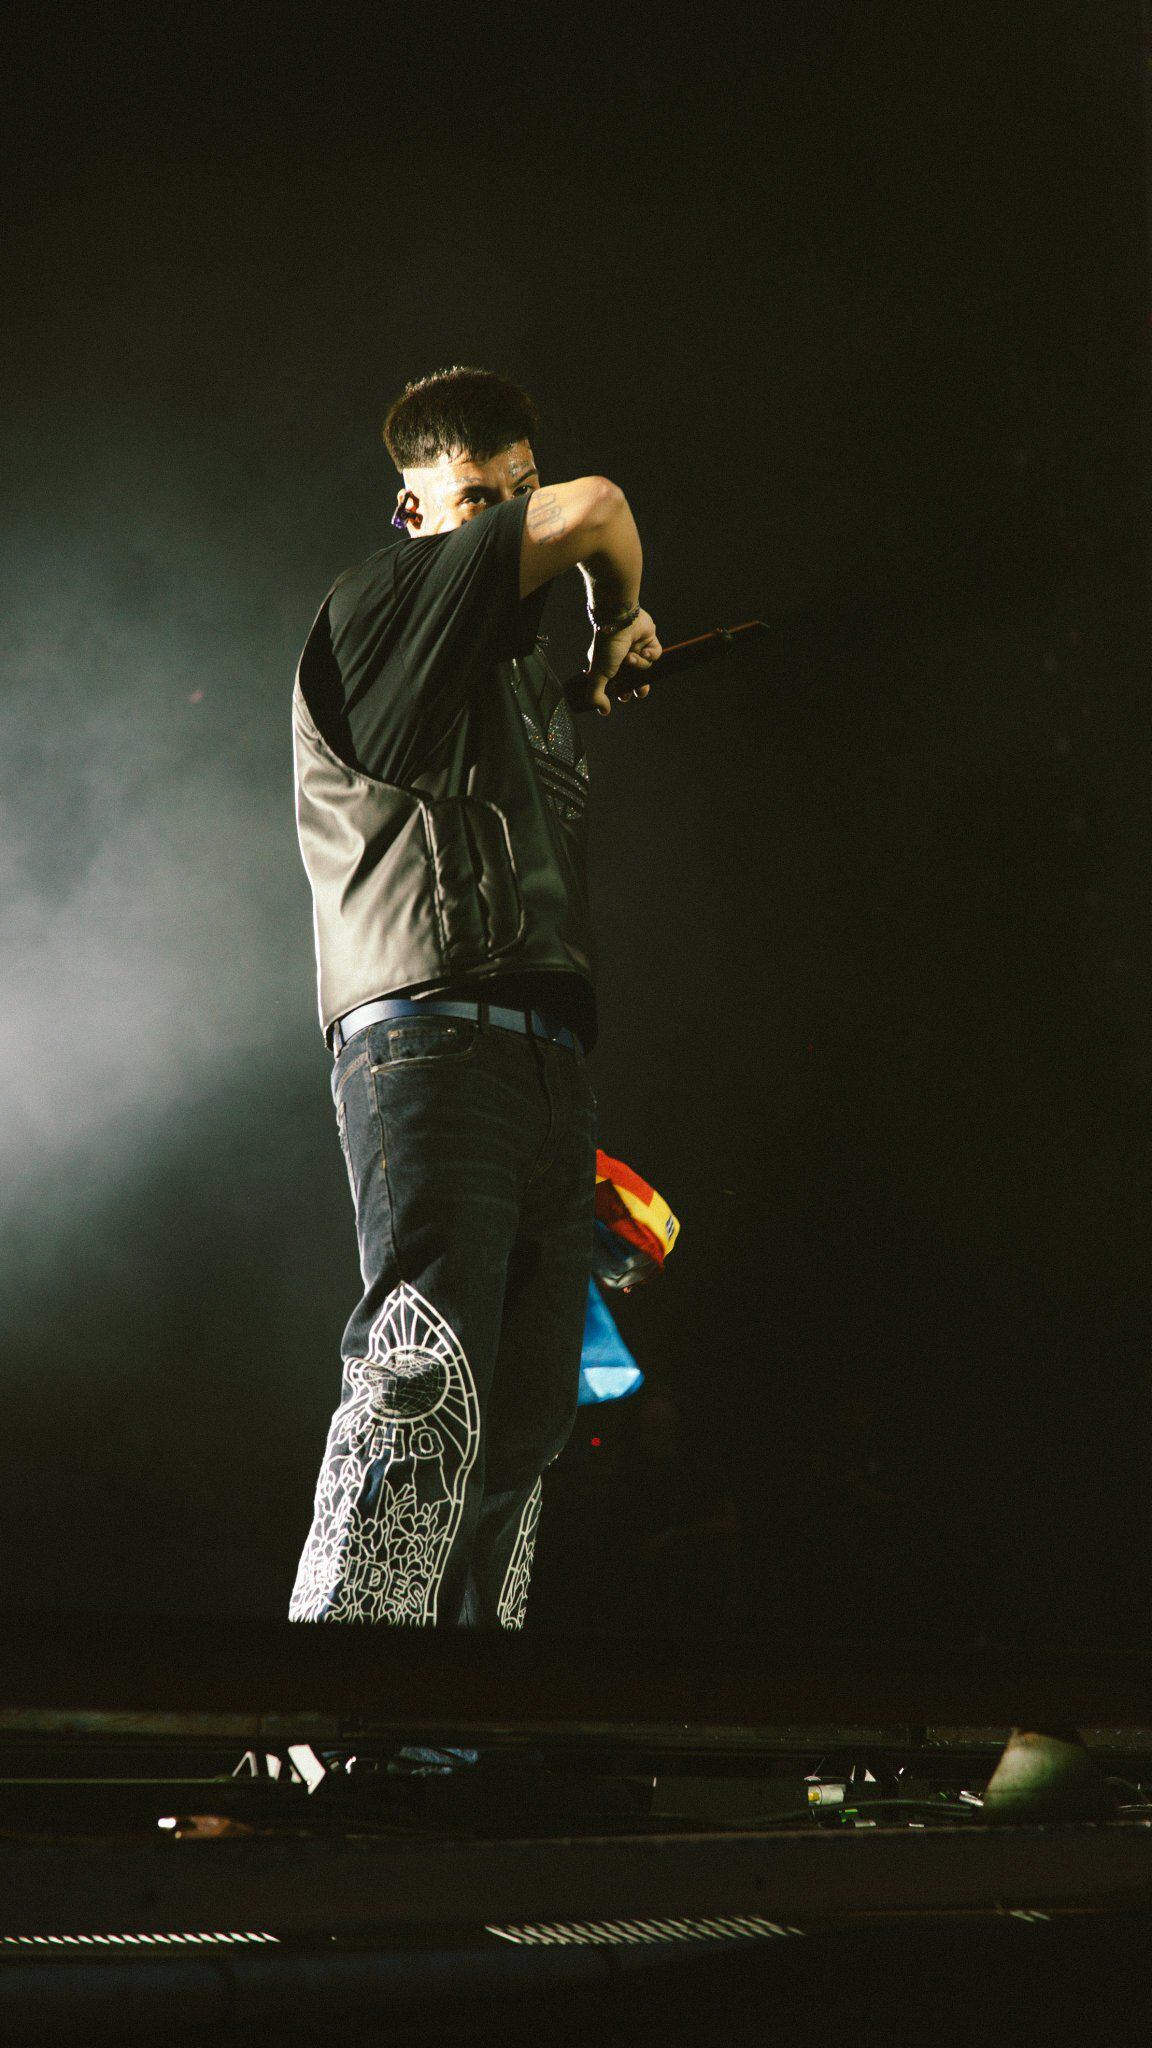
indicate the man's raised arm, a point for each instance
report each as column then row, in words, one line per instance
column 588, row 524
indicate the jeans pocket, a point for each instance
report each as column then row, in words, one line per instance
column 425, row 1041
column 357, row 1120
column 342, row 1132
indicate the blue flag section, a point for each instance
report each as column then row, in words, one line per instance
column 608, row 1370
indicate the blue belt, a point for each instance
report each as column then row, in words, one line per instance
column 529, row 1023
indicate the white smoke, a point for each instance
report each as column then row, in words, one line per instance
column 154, row 921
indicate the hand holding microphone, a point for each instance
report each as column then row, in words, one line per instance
column 619, row 651
column 622, row 648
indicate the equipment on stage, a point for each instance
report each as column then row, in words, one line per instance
column 633, row 1234
column 636, row 1229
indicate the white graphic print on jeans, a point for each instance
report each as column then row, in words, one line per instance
column 513, row 1601
column 391, row 1489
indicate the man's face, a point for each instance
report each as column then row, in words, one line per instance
column 457, row 487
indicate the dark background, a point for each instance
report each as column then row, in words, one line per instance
column 853, row 303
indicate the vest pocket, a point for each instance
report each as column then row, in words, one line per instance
column 479, row 906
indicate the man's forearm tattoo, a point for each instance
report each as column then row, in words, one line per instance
column 545, row 515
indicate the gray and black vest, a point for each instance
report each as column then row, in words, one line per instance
column 474, row 868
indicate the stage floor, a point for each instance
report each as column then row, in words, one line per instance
column 330, row 1823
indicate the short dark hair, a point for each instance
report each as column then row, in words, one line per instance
column 457, row 412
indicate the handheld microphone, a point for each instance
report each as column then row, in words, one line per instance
column 702, row 647
column 682, row 654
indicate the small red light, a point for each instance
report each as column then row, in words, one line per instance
column 595, row 1443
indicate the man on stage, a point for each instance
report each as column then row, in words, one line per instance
column 441, row 796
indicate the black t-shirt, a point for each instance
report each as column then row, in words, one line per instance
column 415, row 630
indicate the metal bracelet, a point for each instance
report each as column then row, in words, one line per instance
column 616, row 625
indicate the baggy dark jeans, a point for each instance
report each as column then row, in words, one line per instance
column 471, row 1156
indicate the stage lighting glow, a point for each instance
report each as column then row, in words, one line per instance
column 629, row 1933
column 131, row 1940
